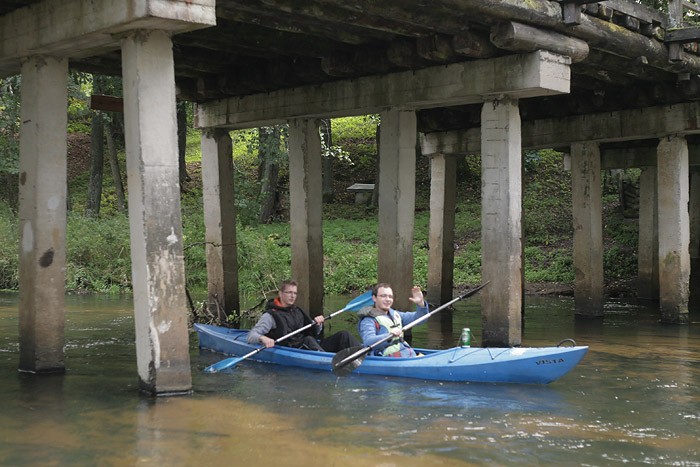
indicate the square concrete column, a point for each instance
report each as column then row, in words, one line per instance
column 397, row 202
column 648, row 254
column 305, row 212
column 674, row 229
column 220, row 223
column 42, row 214
column 588, row 229
column 501, row 223
column 158, row 270
column 441, row 251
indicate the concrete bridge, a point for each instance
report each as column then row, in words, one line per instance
column 610, row 83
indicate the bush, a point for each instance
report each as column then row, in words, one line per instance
column 98, row 254
column 9, row 249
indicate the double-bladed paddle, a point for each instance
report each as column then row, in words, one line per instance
column 347, row 360
column 355, row 304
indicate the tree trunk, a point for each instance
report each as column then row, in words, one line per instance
column 375, row 194
column 269, row 155
column 182, row 142
column 327, row 140
column 114, row 164
column 96, row 170
column 8, row 189
column 519, row 37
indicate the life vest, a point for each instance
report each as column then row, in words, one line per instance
column 390, row 323
column 287, row 320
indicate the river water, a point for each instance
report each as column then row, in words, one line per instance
column 633, row 400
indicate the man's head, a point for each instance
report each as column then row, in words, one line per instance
column 287, row 292
column 383, row 296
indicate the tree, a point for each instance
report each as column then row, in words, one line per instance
column 114, row 164
column 92, row 209
column 182, row 142
column 269, row 154
column 9, row 138
column 326, row 144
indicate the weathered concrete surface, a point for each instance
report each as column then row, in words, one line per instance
column 441, row 253
column 42, row 214
column 397, row 202
column 648, row 251
column 220, row 223
column 81, row 28
column 674, row 229
column 501, row 224
column 588, row 229
column 305, row 212
column 628, row 125
column 158, row 271
column 535, row 74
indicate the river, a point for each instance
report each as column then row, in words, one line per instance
column 633, row 400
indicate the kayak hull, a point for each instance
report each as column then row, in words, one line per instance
column 525, row 365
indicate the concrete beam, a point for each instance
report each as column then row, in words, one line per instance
column 626, row 158
column 626, row 125
column 518, row 76
column 81, row 28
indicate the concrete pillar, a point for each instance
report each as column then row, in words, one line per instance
column 42, row 214
column 694, row 213
column 441, row 252
column 674, row 229
column 220, row 223
column 588, row 229
column 397, row 201
column 648, row 255
column 305, row 212
column 501, row 223
column 158, row 270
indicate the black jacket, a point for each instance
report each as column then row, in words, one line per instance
column 289, row 319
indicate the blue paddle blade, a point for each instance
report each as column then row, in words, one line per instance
column 223, row 364
column 360, row 302
column 353, row 305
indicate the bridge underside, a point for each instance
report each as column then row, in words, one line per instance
column 472, row 78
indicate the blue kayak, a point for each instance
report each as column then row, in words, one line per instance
column 538, row 365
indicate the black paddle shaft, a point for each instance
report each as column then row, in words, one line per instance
column 347, row 356
column 229, row 362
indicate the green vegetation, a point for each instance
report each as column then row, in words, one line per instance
column 98, row 249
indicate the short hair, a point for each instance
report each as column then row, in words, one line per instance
column 284, row 284
column 376, row 288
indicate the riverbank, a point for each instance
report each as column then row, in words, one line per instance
column 618, row 289
column 98, row 258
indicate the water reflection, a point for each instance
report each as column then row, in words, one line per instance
column 634, row 399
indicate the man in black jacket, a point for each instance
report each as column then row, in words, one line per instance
column 282, row 317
